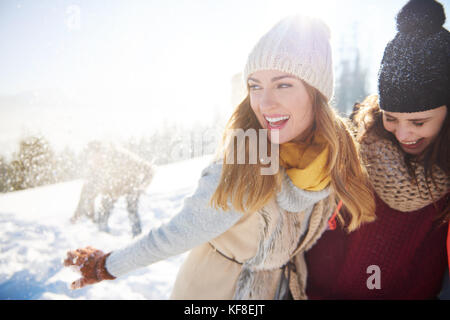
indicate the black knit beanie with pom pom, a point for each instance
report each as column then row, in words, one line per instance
column 415, row 70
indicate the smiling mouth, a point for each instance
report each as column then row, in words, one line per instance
column 276, row 122
column 412, row 144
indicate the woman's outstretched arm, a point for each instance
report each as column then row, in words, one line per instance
column 195, row 224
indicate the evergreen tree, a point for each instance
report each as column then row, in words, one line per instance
column 351, row 80
column 33, row 165
column 5, row 175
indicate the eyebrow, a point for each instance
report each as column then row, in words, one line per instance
column 273, row 79
column 412, row 120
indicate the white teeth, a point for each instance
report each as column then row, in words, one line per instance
column 414, row 142
column 277, row 119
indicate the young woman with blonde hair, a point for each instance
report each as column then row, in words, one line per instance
column 405, row 143
column 246, row 230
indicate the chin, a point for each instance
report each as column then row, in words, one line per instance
column 415, row 152
column 269, row 137
column 281, row 139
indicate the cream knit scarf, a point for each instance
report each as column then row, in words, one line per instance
column 391, row 181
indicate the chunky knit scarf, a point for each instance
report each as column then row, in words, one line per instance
column 391, row 180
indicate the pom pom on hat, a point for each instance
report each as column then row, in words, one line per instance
column 425, row 16
column 415, row 70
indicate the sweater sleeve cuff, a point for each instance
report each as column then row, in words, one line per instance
column 102, row 272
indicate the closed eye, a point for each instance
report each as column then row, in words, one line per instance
column 418, row 124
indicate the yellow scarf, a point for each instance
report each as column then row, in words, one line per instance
column 305, row 163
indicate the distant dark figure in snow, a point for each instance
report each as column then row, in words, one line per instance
column 112, row 172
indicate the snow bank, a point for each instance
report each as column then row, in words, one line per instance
column 35, row 234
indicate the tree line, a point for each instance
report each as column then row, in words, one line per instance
column 37, row 163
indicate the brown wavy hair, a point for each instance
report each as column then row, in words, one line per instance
column 242, row 185
column 369, row 118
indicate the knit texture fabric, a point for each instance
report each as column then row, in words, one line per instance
column 408, row 247
column 288, row 198
column 298, row 45
column 198, row 223
column 415, row 71
column 305, row 163
column 390, row 178
column 405, row 242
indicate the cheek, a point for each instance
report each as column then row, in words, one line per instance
column 388, row 126
column 304, row 114
column 429, row 132
column 256, row 111
column 254, row 107
column 304, row 118
column 252, row 103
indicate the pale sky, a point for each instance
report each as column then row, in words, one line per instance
column 160, row 59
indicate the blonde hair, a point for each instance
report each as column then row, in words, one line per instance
column 242, row 185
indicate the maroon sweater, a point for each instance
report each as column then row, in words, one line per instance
column 408, row 247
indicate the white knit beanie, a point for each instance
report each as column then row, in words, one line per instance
column 298, row 45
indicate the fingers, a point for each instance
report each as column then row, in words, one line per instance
column 70, row 260
column 75, row 258
column 78, row 256
column 84, row 260
column 82, row 282
column 78, row 284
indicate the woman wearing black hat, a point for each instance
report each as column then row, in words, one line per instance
column 404, row 136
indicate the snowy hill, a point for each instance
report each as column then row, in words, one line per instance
column 35, row 234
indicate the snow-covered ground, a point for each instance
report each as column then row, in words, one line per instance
column 35, row 234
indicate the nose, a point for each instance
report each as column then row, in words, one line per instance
column 403, row 133
column 267, row 101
